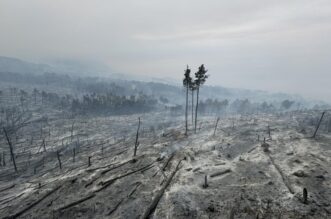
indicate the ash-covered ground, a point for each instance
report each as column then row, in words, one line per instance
column 254, row 166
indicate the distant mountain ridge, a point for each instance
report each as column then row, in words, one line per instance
column 8, row 64
column 150, row 85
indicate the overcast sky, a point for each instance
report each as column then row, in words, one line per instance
column 275, row 45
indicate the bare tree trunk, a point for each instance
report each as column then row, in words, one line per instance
column 269, row 132
column 11, row 149
column 89, row 161
column 305, row 196
column 3, row 159
column 73, row 155
column 196, row 111
column 192, row 107
column 149, row 211
column 44, row 145
column 186, row 109
column 218, row 119
column 137, row 142
column 72, row 130
column 205, row 185
column 318, row 125
column 59, row 159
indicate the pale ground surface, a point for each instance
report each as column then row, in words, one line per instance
column 257, row 182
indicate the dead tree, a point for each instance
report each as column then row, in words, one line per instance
column 44, row 144
column 11, row 149
column 72, row 130
column 3, row 159
column 201, row 77
column 150, row 210
column 73, row 155
column 89, row 161
column 137, row 137
column 41, row 129
column 305, row 196
column 269, row 132
column 59, row 159
column 30, row 206
column 318, row 125
column 192, row 88
column 205, row 185
column 186, row 82
column 218, row 119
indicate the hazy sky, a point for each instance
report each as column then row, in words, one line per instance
column 276, row 45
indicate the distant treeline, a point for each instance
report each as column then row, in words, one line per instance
column 110, row 104
column 82, row 85
column 245, row 106
column 92, row 103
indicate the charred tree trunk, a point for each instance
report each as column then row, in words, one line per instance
column 89, row 161
column 11, row 149
column 318, row 125
column 73, row 155
column 72, row 130
column 305, row 196
column 3, row 158
column 218, row 119
column 149, row 211
column 186, row 109
column 269, row 132
column 205, row 185
column 44, row 145
column 59, row 159
column 196, row 111
column 192, row 107
column 137, row 138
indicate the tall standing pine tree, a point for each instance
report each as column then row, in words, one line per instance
column 187, row 82
column 200, row 79
column 192, row 88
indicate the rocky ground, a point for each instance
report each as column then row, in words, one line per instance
column 228, row 173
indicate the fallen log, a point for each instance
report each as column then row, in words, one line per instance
column 115, row 208
column 110, row 169
column 127, row 174
column 98, row 168
column 11, row 198
column 220, row 173
column 318, row 125
column 11, row 149
column 251, row 150
column 218, row 119
column 105, row 184
column 103, row 172
column 34, row 203
column 76, row 202
column 6, row 188
column 285, row 181
column 168, row 161
column 149, row 211
column 147, row 169
column 135, row 189
column 136, row 142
